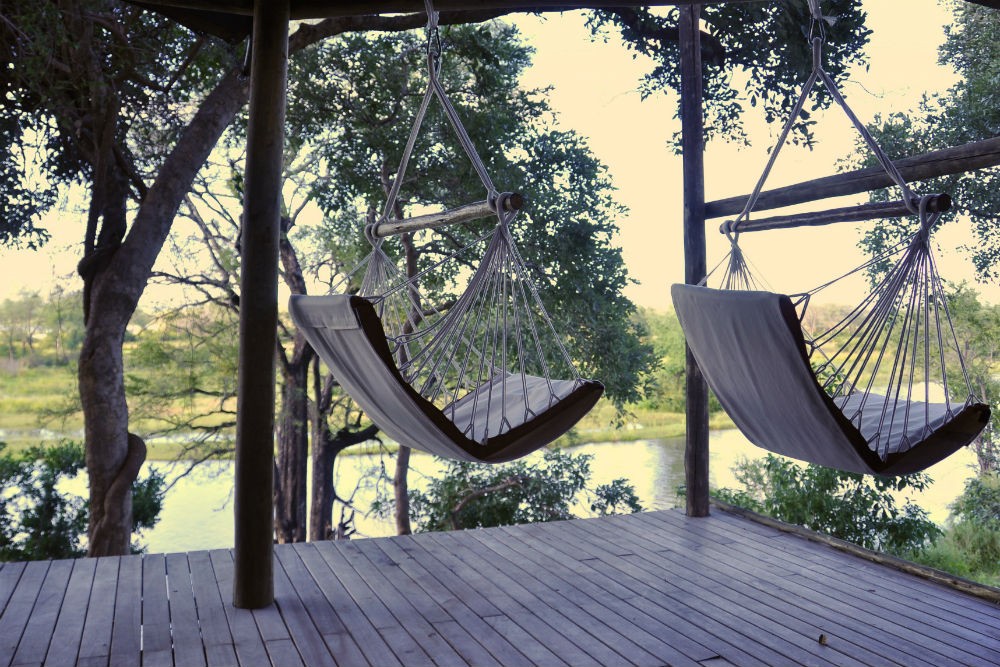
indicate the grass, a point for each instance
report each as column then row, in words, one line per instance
column 45, row 397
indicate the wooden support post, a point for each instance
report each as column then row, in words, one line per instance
column 693, row 147
column 253, row 578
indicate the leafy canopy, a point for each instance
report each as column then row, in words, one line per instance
column 753, row 53
column 352, row 103
column 968, row 111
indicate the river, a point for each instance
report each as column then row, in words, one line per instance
column 198, row 514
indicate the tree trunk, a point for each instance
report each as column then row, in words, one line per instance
column 400, row 489
column 114, row 280
column 293, row 452
column 114, row 456
column 323, row 494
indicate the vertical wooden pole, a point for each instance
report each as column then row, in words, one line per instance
column 693, row 146
column 253, row 579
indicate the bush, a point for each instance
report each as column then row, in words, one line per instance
column 470, row 495
column 38, row 521
column 854, row 507
column 971, row 545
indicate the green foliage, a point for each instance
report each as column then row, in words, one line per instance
column 968, row 111
column 39, row 521
column 979, row 504
column 858, row 508
column 741, row 69
column 470, row 495
column 351, row 106
column 970, row 546
column 78, row 77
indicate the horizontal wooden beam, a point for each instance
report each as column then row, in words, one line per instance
column 316, row 9
column 859, row 213
column 955, row 160
column 469, row 212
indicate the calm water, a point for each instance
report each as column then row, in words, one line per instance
column 198, row 514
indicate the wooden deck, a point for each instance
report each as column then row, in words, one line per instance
column 648, row 589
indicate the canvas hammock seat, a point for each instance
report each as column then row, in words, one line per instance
column 501, row 420
column 857, row 397
column 752, row 351
column 485, row 379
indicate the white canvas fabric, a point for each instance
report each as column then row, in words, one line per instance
column 750, row 347
column 347, row 335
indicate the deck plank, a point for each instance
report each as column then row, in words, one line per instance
column 370, row 642
column 95, row 646
column 313, row 610
column 188, row 648
column 18, row 609
column 68, row 632
column 307, row 637
column 532, row 614
column 34, row 643
column 543, row 598
column 648, row 589
column 963, row 611
column 948, row 647
column 396, row 637
column 728, row 591
column 217, row 638
column 754, row 586
column 247, row 640
column 126, row 634
column 454, row 599
column 419, row 628
column 10, row 574
column 156, row 640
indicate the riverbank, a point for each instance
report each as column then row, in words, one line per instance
column 39, row 406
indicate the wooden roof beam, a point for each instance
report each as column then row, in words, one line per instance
column 314, row 9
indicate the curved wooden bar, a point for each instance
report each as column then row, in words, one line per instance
column 874, row 211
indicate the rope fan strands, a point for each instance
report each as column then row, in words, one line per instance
column 486, row 379
column 857, row 397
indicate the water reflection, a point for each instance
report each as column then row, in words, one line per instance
column 198, row 513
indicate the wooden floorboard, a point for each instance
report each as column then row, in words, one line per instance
column 946, row 645
column 647, row 590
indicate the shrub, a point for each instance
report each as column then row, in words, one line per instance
column 858, row 508
column 38, row 521
column 470, row 495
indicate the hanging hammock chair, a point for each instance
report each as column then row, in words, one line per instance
column 857, row 397
column 486, row 379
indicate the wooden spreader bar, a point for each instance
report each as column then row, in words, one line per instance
column 954, row 160
column 467, row 213
column 874, row 211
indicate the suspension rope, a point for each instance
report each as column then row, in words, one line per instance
column 870, row 356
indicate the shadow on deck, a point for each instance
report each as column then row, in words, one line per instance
column 646, row 589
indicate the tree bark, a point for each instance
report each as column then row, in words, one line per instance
column 114, row 288
column 400, row 489
column 293, row 452
column 291, row 469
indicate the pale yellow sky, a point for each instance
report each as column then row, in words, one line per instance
column 595, row 92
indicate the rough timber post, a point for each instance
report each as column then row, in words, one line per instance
column 253, row 579
column 693, row 146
